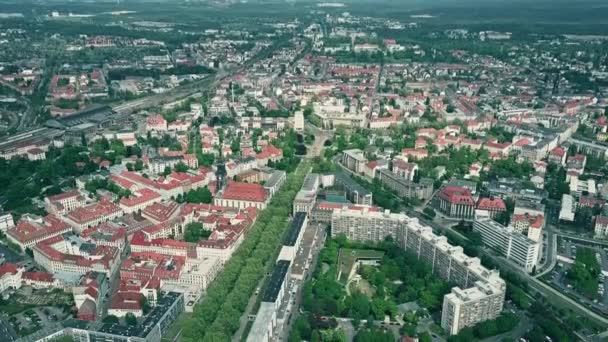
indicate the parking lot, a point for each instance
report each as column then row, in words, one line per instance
column 567, row 251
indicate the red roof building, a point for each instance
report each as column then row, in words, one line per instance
column 557, row 156
column 10, row 276
column 492, row 205
column 93, row 214
column 30, row 230
column 140, row 200
column 38, row 280
column 242, row 195
column 455, row 202
column 161, row 212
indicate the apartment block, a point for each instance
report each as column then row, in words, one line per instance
column 477, row 286
column 511, row 244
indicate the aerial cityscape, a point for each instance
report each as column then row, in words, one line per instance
column 303, row 170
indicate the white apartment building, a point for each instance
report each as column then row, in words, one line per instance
column 465, row 308
column 446, row 261
column 601, row 227
column 10, row 276
column 307, row 196
column 568, row 208
column 6, row 222
column 512, row 245
column 354, row 160
column 366, row 225
column 298, row 123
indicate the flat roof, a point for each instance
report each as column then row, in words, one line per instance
column 348, row 182
column 259, row 329
column 309, row 181
column 274, row 178
column 276, row 281
column 294, row 228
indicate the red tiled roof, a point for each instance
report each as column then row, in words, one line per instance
column 93, row 211
column 161, row 211
column 122, row 182
column 491, row 204
column 8, row 268
column 558, row 151
column 62, row 196
column 27, row 230
column 457, row 195
column 601, row 220
column 38, row 276
column 245, row 192
column 126, row 301
column 144, row 195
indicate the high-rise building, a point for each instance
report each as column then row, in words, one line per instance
column 465, row 308
column 365, row 224
column 477, row 286
column 511, row 244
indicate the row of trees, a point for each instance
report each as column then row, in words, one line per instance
column 217, row 317
column 103, row 183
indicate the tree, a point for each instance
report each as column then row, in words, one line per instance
column 430, row 212
column 425, row 337
column 200, row 195
column 145, row 305
column 374, row 335
column 181, row 167
column 110, row 319
column 194, row 232
column 130, row 319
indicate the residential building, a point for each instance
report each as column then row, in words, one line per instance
column 139, row 200
column 323, row 211
column 466, row 307
column 307, row 196
column 31, row 230
column 156, row 325
column 446, row 261
column 601, row 227
column 511, row 244
column 93, row 214
column 6, row 222
column 365, row 225
column 355, row 193
column 354, row 160
column 10, row 276
column 69, row 256
column 492, row 205
column 422, row 190
column 291, row 244
column 63, row 203
column 404, row 169
column 568, row 208
column 299, row 121
column 266, row 327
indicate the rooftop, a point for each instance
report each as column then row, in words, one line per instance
column 294, row 229
column 245, row 192
column 276, row 281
